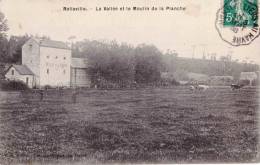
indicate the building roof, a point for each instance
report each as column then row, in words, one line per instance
column 79, row 63
column 22, row 69
column 52, row 43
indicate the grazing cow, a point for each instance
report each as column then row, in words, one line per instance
column 199, row 87
column 192, row 88
column 236, row 86
column 202, row 87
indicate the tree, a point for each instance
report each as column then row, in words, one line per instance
column 148, row 61
column 3, row 39
column 3, row 25
column 3, row 49
column 108, row 60
column 15, row 44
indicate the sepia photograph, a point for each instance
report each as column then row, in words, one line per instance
column 129, row 82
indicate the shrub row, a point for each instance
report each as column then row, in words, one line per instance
column 13, row 85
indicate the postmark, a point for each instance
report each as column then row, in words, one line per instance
column 237, row 22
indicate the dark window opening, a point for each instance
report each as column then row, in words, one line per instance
column 47, row 71
column 27, row 80
column 12, row 72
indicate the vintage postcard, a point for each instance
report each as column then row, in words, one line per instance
column 129, row 81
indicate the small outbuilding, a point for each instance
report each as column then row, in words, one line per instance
column 20, row 73
column 248, row 76
column 79, row 72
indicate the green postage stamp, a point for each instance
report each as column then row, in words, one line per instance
column 237, row 21
column 242, row 13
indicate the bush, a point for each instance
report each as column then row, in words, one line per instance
column 244, row 82
column 255, row 82
column 47, row 87
column 13, row 85
column 175, row 82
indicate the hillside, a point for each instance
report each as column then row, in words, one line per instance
column 209, row 67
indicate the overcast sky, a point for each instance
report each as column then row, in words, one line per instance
column 176, row 30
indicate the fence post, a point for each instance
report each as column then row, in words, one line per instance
column 41, row 94
column 74, row 96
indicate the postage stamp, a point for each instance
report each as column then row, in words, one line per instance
column 237, row 22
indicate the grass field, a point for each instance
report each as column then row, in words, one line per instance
column 133, row 126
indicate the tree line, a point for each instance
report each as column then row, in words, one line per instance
column 122, row 64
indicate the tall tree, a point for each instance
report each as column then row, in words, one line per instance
column 148, row 64
column 15, row 48
column 3, row 25
column 3, row 41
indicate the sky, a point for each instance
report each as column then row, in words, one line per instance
column 189, row 33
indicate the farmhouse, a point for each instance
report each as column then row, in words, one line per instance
column 20, row 73
column 250, row 76
column 48, row 62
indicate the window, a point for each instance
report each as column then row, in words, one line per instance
column 30, row 46
column 64, row 58
column 47, row 71
column 64, row 71
column 12, row 72
column 56, row 57
column 48, row 56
